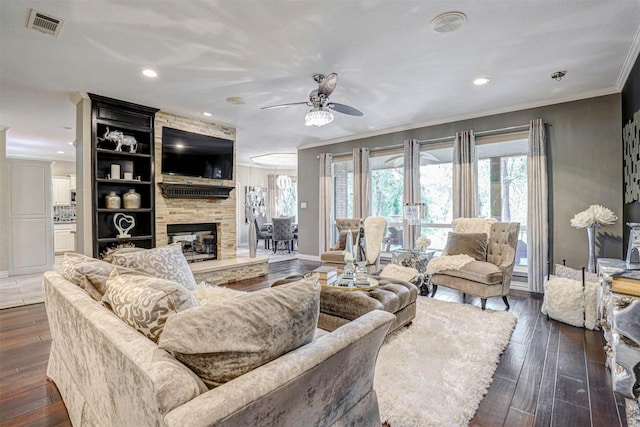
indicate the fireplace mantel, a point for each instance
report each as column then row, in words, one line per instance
column 183, row 190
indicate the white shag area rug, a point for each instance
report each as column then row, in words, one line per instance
column 436, row 371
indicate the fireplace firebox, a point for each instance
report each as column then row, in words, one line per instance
column 199, row 241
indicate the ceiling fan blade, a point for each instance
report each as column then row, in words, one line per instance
column 285, row 105
column 344, row 109
column 328, row 84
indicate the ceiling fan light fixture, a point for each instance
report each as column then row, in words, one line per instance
column 318, row 118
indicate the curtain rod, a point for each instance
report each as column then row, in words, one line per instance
column 518, row 128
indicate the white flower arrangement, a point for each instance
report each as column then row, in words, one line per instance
column 596, row 215
column 423, row 243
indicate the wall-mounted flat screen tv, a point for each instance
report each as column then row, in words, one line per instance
column 192, row 154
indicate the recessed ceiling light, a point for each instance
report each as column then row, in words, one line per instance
column 70, row 142
column 448, row 22
column 236, row 100
column 207, row 114
column 60, row 152
column 67, row 127
column 481, row 81
column 149, row 73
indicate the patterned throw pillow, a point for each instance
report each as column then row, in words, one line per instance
column 145, row 302
column 222, row 341
column 166, row 262
column 88, row 273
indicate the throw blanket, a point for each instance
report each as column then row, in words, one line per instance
column 408, row 274
column 473, row 225
column 448, row 262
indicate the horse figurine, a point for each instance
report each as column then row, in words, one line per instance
column 120, row 139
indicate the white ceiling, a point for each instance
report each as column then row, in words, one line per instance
column 392, row 65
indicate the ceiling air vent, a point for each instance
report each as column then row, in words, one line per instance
column 44, row 23
column 448, row 22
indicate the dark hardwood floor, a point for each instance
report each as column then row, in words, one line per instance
column 550, row 374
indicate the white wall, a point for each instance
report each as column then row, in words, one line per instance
column 255, row 177
column 4, row 190
column 61, row 168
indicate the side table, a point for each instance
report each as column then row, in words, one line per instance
column 619, row 314
column 418, row 260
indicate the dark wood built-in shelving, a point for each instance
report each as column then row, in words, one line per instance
column 184, row 190
column 136, row 121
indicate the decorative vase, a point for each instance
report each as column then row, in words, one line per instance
column 349, row 268
column 112, row 201
column 361, row 273
column 131, row 199
column 591, row 234
column 252, row 238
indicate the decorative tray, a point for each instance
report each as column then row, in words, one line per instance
column 349, row 285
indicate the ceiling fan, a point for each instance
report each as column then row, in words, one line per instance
column 319, row 101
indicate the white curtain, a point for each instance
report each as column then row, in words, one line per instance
column 538, row 213
column 272, row 197
column 361, row 183
column 465, row 189
column 411, row 188
column 326, row 201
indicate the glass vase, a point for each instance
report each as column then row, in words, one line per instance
column 112, row 201
column 362, row 277
column 131, row 199
column 591, row 235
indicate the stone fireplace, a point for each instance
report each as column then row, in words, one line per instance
column 199, row 241
column 220, row 211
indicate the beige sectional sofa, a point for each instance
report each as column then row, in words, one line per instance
column 109, row 374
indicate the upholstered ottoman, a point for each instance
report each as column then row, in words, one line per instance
column 338, row 307
column 398, row 297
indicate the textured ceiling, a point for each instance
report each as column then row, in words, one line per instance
column 391, row 64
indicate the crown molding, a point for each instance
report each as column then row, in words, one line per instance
column 77, row 97
column 487, row 113
column 629, row 62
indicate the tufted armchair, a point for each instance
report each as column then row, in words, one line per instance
column 490, row 277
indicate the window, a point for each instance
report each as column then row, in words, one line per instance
column 436, row 183
column 342, row 191
column 387, row 186
column 343, row 187
column 288, row 200
column 502, row 183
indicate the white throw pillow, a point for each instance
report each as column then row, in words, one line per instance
column 564, row 301
column 206, row 294
column 567, row 301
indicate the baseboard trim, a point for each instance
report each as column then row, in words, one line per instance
column 520, row 286
column 4, row 274
column 309, row 257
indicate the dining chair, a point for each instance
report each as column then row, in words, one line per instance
column 262, row 231
column 282, row 232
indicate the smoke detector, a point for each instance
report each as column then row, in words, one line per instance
column 44, row 23
column 448, row 22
